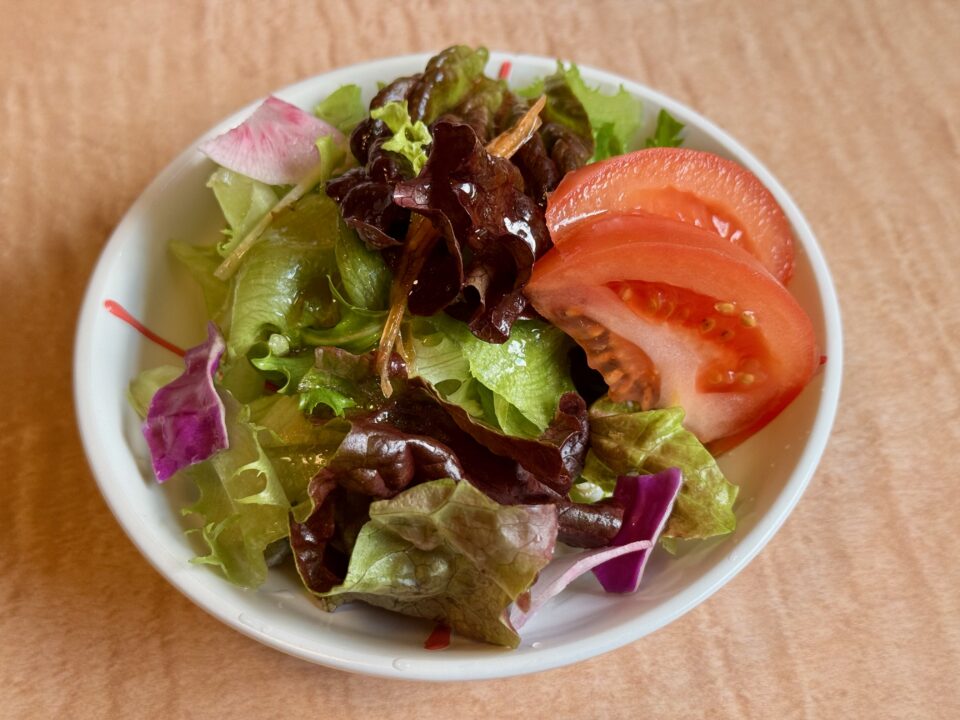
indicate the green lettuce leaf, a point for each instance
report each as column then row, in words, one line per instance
column 281, row 423
column 296, row 446
column 606, row 144
column 244, row 202
column 248, row 490
column 242, row 503
column 627, row 442
column 363, row 272
column 444, row 551
column 621, row 112
column 564, row 107
column 339, row 380
column 284, row 276
column 241, row 379
column 410, row 139
column 667, row 133
column 333, row 156
column 343, row 108
column 201, row 261
column 357, row 329
column 316, row 390
column 285, row 371
column 615, row 119
column 447, row 80
column 514, row 386
column 327, row 376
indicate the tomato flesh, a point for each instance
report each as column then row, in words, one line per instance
column 738, row 355
column 691, row 186
column 674, row 315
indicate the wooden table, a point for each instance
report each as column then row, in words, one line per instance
column 853, row 610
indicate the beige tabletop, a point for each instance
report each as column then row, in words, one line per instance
column 852, row 611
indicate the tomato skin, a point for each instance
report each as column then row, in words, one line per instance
column 691, row 186
column 727, row 317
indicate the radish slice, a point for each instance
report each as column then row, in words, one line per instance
column 276, row 145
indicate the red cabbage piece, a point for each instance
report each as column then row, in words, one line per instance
column 647, row 501
column 564, row 570
column 186, row 420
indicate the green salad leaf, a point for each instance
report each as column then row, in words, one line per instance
column 338, row 379
column 316, row 389
column 333, row 158
column 343, row 108
column 606, row 143
column 615, row 118
column 446, row 81
column 286, row 369
column 356, row 329
column 296, row 447
column 667, row 132
column 282, row 272
column 248, row 490
column 200, row 261
column 282, row 424
column 564, row 107
column 242, row 503
column 628, row 442
column 410, row 139
column 326, row 375
column 363, row 272
column 444, row 551
column 514, row 386
column 244, row 202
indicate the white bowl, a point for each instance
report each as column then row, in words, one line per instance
column 772, row 469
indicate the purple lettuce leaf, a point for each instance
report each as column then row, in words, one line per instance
column 185, row 421
column 493, row 230
column 379, row 461
column 319, row 565
column 589, row 525
column 416, row 436
column 365, row 193
column 545, row 467
column 647, row 501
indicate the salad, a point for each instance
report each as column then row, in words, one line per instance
column 468, row 342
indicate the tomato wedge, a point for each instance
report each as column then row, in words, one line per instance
column 691, row 186
column 674, row 315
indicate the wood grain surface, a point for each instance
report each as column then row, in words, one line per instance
column 852, row 611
